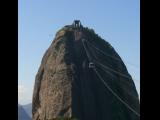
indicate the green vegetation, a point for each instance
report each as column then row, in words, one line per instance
column 95, row 38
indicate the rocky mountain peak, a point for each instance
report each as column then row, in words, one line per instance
column 73, row 77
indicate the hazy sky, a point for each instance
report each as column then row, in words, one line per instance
column 116, row 21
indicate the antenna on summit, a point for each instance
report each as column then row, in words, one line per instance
column 77, row 24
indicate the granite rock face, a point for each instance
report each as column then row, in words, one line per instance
column 66, row 86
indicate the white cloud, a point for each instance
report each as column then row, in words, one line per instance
column 22, row 89
column 24, row 94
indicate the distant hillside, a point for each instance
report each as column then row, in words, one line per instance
column 28, row 109
column 22, row 115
